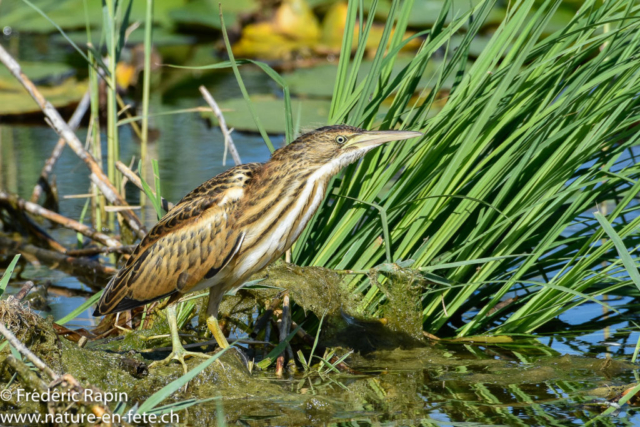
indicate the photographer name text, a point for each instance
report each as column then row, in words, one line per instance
column 87, row 395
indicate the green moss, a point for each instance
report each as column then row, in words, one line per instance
column 315, row 289
column 323, row 292
column 403, row 310
column 96, row 367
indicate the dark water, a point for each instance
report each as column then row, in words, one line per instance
column 453, row 385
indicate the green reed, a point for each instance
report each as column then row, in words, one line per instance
column 531, row 138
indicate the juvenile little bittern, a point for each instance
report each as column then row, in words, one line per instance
column 235, row 224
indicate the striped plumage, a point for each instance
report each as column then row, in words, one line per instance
column 238, row 222
column 190, row 242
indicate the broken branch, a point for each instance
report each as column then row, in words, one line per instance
column 228, row 141
column 135, row 180
column 74, row 122
column 36, row 209
column 22, row 349
column 60, row 126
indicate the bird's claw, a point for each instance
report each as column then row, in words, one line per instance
column 179, row 355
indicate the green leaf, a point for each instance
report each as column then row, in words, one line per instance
column 243, row 89
column 6, row 276
column 155, row 200
column 628, row 262
column 81, row 308
column 238, row 115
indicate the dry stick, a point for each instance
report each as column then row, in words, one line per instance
column 32, row 227
column 228, row 142
column 285, row 325
column 63, row 291
column 42, row 234
column 124, row 249
column 24, row 290
column 29, row 377
column 135, row 180
column 308, row 339
column 36, row 209
column 58, row 124
column 267, row 338
column 15, row 342
column 92, row 273
column 74, row 122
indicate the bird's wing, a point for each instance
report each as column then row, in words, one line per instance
column 196, row 239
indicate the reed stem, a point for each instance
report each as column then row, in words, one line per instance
column 145, row 92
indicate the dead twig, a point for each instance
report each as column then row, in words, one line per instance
column 308, row 339
column 92, row 273
column 63, row 291
column 29, row 226
column 26, row 288
column 135, row 180
column 58, row 124
column 66, row 382
column 36, row 209
column 228, row 141
column 285, row 326
column 124, row 249
column 73, row 123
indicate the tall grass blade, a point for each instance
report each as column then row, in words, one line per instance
column 6, row 276
column 243, row 89
column 159, row 396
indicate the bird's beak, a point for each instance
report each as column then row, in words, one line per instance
column 369, row 139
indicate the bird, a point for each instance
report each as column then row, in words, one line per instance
column 234, row 225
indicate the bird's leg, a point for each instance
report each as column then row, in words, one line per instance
column 215, row 296
column 212, row 322
column 214, row 327
column 178, row 353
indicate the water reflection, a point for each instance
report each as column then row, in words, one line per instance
column 442, row 386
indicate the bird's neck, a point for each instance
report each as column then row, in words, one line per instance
column 289, row 178
column 281, row 201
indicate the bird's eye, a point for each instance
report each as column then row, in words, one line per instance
column 341, row 139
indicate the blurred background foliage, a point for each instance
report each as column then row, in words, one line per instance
column 300, row 37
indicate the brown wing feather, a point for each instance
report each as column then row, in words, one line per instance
column 196, row 238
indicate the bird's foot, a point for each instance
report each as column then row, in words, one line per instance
column 180, row 355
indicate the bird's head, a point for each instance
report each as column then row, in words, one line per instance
column 340, row 145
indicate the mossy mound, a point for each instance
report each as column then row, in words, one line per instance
column 315, row 289
column 229, row 378
column 403, row 310
column 33, row 331
column 324, row 293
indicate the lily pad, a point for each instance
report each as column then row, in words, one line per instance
column 70, row 14
column 319, row 81
column 17, row 101
column 270, row 110
column 203, row 14
column 49, row 73
column 161, row 37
